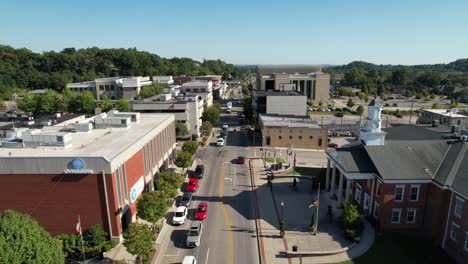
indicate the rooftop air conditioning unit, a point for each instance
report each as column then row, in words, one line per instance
column 464, row 138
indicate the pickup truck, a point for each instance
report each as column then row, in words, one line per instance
column 194, row 234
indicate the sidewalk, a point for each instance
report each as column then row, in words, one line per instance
column 297, row 218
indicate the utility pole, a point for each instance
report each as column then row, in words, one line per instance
column 411, row 111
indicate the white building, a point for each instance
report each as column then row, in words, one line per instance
column 203, row 89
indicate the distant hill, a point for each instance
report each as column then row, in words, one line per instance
column 460, row 65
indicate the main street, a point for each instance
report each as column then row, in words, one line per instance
column 229, row 234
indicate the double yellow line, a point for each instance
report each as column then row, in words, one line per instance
column 226, row 216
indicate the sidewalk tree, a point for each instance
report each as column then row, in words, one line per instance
column 181, row 129
column 138, row 240
column 184, row 159
column 123, row 105
column 350, row 221
column 190, row 146
column 23, row 240
column 151, row 90
column 350, row 103
column 152, row 206
column 360, row 110
column 206, row 128
column 95, row 236
column 106, row 104
column 211, row 114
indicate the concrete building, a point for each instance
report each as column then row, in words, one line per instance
column 187, row 109
column 409, row 178
column 293, row 131
column 279, row 103
column 114, row 87
column 202, row 89
column 166, row 80
column 308, row 80
column 444, row 117
column 95, row 169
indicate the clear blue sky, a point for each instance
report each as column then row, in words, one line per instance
column 247, row 31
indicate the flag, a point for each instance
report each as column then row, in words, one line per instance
column 78, row 227
column 314, row 200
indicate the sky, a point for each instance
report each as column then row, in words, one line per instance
column 334, row 32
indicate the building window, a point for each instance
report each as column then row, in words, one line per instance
column 320, row 142
column 311, row 137
column 458, row 207
column 357, row 194
column 300, row 137
column 396, row 213
column 124, row 180
column 268, row 140
column 454, row 231
column 377, row 191
column 399, row 190
column 59, row 139
column 280, row 137
column 414, row 194
column 376, row 210
column 411, row 216
column 101, row 88
column 290, row 137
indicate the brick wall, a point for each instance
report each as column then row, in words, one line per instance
column 301, row 137
column 456, row 248
column 436, row 213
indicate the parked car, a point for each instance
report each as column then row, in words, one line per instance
column 225, row 126
column 220, row 142
column 339, row 114
column 241, row 160
column 346, row 109
column 194, row 234
column 202, row 211
column 199, row 171
column 180, row 215
column 387, row 104
column 332, row 145
column 192, row 185
column 338, row 109
column 189, row 260
column 186, row 199
column 395, row 104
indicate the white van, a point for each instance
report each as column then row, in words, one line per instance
column 189, row 260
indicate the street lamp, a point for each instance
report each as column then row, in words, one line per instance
column 282, row 206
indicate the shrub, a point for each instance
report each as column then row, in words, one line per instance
column 181, row 129
column 190, row 147
column 95, row 236
column 206, row 128
column 152, row 206
column 184, row 159
column 350, row 221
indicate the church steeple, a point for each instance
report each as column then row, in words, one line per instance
column 371, row 133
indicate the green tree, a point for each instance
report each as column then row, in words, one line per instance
column 211, row 114
column 400, row 76
column 86, row 103
column 138, row 240
column 248, row 109
column 363, row 96
column 3, row 106
column 181, row 129
column 152, row 206
column 190, row 146
column 106, row 104
column 168, row 182
column 360, row 110
column 28, row 103
column 123, row 105
column 71, row 245
column 151, row 90
column 51, row 102
column 69, row 101
column 408, row 93
column 95, row 236
column 436, row 106
column 184, row 159
column 22, row 240
column 453, row 103
column 346, row 92
column 206, row 128
column 350, row 221
column 350, row 103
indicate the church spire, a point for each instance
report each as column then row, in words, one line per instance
column 371, row 133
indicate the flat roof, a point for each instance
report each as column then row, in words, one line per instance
column 445, row 113
column 107, row 142
column 276, row 93
column 288, row 121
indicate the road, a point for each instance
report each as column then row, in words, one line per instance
column 229, row 234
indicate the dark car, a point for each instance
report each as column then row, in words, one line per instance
column 395, row 104
column 199, row 171
column 346, row 109
column 338, row 109
column 387, row 104
column 332, row 145
column 339, row 114
column 186, row 199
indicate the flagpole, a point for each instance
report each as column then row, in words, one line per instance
column 318, row 205
column 82, row 242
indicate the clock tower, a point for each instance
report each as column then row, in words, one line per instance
column 371, row 133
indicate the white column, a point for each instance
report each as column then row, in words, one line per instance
column 340, row 190
column 348, row 191
column 332, row 187
column 371, row 202
column 327, row 179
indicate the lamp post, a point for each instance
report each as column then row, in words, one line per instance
column 282, row 206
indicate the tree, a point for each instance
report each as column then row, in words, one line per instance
column 71, row 245
column 22, row 240
column 346, row 92
column 95, row 236
column 86, row 103
column 190, row 146
column 28, row 103
column 350, row 221
column 123, row 105
column 181, row 129
column 138, row 240
column 360, row 110
column 248, row 109
column 184, row 159
column 408, row 93
column 69, row 101
column 350, row 103
column 106, row 104
column 51, row 102
column 400, row 76
column 151, row 90
column 152, row 206
column 363, row 96
column 169, row 182
column 206, row 128
column 436, row 106
column 211, row 114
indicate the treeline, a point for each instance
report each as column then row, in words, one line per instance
column 22, row 68
column 380, row 79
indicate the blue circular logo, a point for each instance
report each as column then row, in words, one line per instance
column 77, row 164
column 133, row 195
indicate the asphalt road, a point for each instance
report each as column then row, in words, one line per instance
column 229, row 234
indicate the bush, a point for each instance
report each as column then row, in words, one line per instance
column 181, row 129
column 351, row 222
column 95, row 236
column 152, row 206
column 184, row 159
column 206, row 128
column 190, row 147
column 360, row 110
column 168, row 182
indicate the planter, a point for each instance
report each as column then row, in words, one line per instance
column 313, row 228
column 282, row 234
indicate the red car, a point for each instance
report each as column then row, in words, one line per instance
column 192, row 185
column 202, row 210
column 332, row 145
column 240, row 160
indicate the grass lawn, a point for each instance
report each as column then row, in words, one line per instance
column 401, row 249
column 278, row 160
column 305, row 171
column 330, row 113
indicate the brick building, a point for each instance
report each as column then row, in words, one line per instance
column 410, row 178
column 96, row 168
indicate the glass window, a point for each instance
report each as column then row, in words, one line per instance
column 279, row 137
column 59, row 139
column 357, row 194
column 124, row 180
column 458, row 207
column 290, row 137
column 411, row 216
column 320, row 142
column 300, row 137
column 414, row 194
column 454, row 231
column 117, row 182
column 466, row 241
column 377, row 192
column 399, row 193
column 396, row 213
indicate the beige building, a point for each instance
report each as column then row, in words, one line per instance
column 296, row 132
column 308, row 80
column 444, row 117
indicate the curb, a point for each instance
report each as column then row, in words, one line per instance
column 294, row 254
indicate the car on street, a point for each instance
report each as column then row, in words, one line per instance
column 338, row 109
column 192, row 185
column 339, row 114
column 225, row 126
column 194, row 234
column 180, row 215
column 220, row 142
column 199, row 171
column 202, row 211
column 332, row 145
column 395, row 104
column 241, row 160
column 186, row 199
column 189, row 260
